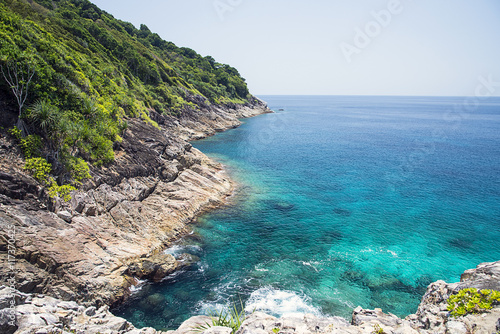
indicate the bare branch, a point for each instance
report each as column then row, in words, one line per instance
column 18, row 77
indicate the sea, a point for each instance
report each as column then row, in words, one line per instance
column 341, row 201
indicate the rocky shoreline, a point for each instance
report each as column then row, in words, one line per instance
column 38, row 313
column 111, row 234
column 64, row 264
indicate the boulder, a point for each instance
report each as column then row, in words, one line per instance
column 65, row 215
column 153, row 268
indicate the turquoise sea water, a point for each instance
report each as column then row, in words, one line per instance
column 342, row 201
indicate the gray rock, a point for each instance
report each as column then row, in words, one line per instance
column 50, row 319
column 8, row 325
column 90, row 210
column 456, row 327
column 118, row 324
column 361, row 316
column 485, row 276
column 68, row 305
column 257, row 323
column 65, row 215
column 90, row 311
column 30, row 320
column 189, row 326
column 218, row 330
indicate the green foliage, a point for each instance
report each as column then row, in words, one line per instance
column 39, row 168
column 44, row 115
column 91, row 73
column 30, row 145
column 276, row 330
column 232, row 318
column 472, row 301
column 79, row 169
column 63, row 191
column 377, row 329
column 15, row 132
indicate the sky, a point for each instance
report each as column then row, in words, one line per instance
column 336, row 47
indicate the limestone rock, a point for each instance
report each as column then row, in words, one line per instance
column 218, row 330
column 154, row 268
column 43, row 314
column 484, row 276
column 190, row 326
column 257, row 323
column 65, row 215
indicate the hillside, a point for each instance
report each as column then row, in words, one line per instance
column 91, row 73
column 98, row 177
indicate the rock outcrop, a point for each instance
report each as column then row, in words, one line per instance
column 43, row 314
column 430, row 318
column 35, row 313
column 93, row 248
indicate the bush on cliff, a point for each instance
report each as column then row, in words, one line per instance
column 472, row 301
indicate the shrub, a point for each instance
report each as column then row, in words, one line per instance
column 63, row 191
column 377, row 329
column 472, row 301
column 29, row 145
column 44, row 115
column 231, row 318
column 39, row 168
column 15, row 132
column 79, row 169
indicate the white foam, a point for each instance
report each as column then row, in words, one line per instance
column 311, row 264
column 177, row 250
column 258, row 267
column 279, row 302
column 392, row 252
column 137, row 286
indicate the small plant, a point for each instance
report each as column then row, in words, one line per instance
column 63, row 191
column 79, row 170
column 231, row 318
column 377, row 329
column 472, row 301
column 39, row 168
column 276, row 330
column 15, row 132
column 29, row 145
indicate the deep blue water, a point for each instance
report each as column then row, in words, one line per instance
column 342, row 201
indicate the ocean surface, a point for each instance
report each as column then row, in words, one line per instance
column 341, row 201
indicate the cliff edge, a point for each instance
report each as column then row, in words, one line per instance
column 111, row 233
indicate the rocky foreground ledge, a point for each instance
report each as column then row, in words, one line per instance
column 36, row 313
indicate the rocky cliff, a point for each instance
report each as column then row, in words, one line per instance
column 42, row 314
column 93, row 248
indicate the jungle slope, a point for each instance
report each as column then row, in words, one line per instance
column 110, row 110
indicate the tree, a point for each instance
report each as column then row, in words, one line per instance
column 18, row 74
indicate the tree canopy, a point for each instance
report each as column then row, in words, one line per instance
column 92, row 72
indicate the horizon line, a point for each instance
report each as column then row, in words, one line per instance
column 374, row 95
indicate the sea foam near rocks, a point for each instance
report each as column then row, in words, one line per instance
column 279, row 302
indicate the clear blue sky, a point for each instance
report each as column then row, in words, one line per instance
column 425, row 47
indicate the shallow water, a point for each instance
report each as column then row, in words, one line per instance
column 343, row 201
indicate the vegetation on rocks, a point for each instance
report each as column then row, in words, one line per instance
column 76, row 75
column 231, row 318
column 472, row 300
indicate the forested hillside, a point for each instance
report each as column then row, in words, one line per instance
column 74, row 74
